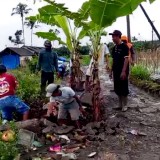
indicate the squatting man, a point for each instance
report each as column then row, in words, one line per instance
column 63, row 101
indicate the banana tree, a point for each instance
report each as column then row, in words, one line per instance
column 57, row 15
column 102, row 14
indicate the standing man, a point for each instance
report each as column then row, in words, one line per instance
column 102, row 54
column 47, row 63
column 120, row 69
column 131, row 50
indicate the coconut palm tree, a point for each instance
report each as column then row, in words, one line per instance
column 31, row 25
column 21, row 10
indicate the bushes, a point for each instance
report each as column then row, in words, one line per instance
column 9, row 150
column 29, row 84
column 140, row 72
column 32, row 64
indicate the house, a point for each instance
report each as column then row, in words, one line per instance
column 13, row 57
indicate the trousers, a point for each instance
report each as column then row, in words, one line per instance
column 46, row 79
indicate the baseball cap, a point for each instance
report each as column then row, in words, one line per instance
column 116, row 32
column 50, row 89
column 47, row 43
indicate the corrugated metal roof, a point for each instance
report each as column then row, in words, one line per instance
column 23, row 51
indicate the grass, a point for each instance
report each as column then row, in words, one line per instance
column 140, row 72
column 149, row 59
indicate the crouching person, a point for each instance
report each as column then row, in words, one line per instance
column 70, row 103
column 8, row 100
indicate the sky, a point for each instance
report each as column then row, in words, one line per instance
column 140, row 27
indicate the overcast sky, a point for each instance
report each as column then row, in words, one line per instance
column 139, row 24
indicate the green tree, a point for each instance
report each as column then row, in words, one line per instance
column 17, row 39
column 21, row 10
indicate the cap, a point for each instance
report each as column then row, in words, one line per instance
column 116, row 32
column 50, row 89
column 124, row 38
column 47, row 43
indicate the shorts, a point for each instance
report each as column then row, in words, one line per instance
column 11, row 104
column 71, row 108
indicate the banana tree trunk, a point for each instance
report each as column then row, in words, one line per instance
column 96, row 89
column 92, row 84
column 76, row 76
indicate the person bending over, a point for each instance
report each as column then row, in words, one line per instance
column 9, row 102
column 69, row 103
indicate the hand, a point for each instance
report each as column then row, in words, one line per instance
column 123, row 75
column 82, row 111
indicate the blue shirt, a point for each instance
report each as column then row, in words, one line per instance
column 48, row 61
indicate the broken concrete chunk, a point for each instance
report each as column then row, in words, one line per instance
column 48, row 123
column 48, row 129
column 109, row 131
column 63, row 129
column 86, row 99
column 25, row 137
column 90, row 131
column 113, row 123
column 101, row 136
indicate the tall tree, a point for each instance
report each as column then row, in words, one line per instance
column 31, row 25
column 21, row 10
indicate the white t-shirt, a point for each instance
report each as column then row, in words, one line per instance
column 66, row 97
column 102, row 52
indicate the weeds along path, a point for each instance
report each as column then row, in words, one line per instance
column 137, row 136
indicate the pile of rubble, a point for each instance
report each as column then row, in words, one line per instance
column 46, row 140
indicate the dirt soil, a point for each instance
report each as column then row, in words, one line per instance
column 143, row 116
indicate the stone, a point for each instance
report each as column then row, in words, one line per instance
column 97, row 125
column 48, row 129
column 113, row 123
column 90, row 125
column 90, row 131
column 48, row 123
column 91, row 138
column 63, row 129
column 101, row 136
column 86, row 99
column 109, row 131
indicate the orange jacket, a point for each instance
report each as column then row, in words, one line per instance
column 125, row 38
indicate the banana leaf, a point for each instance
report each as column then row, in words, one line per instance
column 50, row 36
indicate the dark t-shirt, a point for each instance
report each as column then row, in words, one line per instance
column 119, row 53
column 48, row 61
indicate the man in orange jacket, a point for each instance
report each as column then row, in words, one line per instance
column 131, row 50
